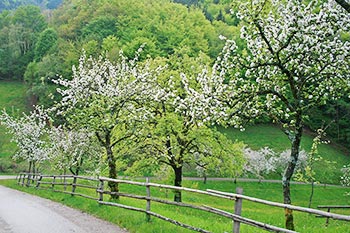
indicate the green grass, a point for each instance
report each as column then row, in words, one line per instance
column 135, row 222
column 271, row 136
column 12, row 98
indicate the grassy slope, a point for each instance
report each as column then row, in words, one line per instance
column 272, row 137
column 135, row 222
column 12, row 99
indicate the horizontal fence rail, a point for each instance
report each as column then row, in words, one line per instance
column 70, row 184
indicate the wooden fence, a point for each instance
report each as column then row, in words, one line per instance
column 70, row 184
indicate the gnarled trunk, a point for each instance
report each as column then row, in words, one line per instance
column 112, row 172
column 106, row 143
column 296, row 140
column 177, row 182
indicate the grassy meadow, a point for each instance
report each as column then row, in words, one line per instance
column 327, row 170
column 12, row 98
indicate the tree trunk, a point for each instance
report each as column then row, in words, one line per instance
column 112, row 171
column 177, row 182
column 106, row 143
column 312, row 193
column 296, row 140
column 30, row 167
column 344, row 4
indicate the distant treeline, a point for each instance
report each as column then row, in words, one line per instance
column 44, row 4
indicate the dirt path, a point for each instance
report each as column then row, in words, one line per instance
column 25, row 213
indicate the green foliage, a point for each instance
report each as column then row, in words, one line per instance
column 100, row 28
column 12, row 99
column 18, row 33
column 47, row 41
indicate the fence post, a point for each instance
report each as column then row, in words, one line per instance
column 101, row 187
column 148, row 204
column 238, row 210
column 28, row 180
column 74, row 184
column 38, row 181
column 64, row 182
column 53, row 182
column 23, row 178
column 19, row 179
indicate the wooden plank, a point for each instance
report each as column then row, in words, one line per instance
column 276, row 204
column 87, row 178
column 84, row 186
column 168, row 187
column 249, row 221
column 155, row 215
column 333, row 206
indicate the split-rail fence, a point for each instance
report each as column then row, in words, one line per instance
column 69, row 184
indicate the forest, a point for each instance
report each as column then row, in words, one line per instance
column 39, row 43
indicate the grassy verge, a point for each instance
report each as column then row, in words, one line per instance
column 135, row 222
column 12, row 98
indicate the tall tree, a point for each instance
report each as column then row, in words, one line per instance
column 180, row 129
column 294, row 60
column 105, row 98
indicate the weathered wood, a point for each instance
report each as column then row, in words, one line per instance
column 238, row 211
column 100, row 190
column 329, row 207
column 38, row 182
column 276, row 204
column 148, row 203
column 51, row 176
column 23, row 179
column 84, row 186
column 248, row 221
column 28, row 179
column 56, row 183
column 19, row 178
column 333, row 206
column 53, row 182
column 168, row 187
column 86, row 178
column 73, row 185
column 155, row 215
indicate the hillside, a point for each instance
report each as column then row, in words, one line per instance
column 258, row 136
column 12, row 98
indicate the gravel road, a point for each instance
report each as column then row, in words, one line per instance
column 25, row 213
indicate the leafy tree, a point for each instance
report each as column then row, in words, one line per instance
column 259, row 163
column 76, row 151
column 105, row 98
column 100, row 28
column 178, row 131
column 295, row 60
column 47, row 40
column 29, row 132
column 18, row 36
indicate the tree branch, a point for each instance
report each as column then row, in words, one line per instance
column 344, row 4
